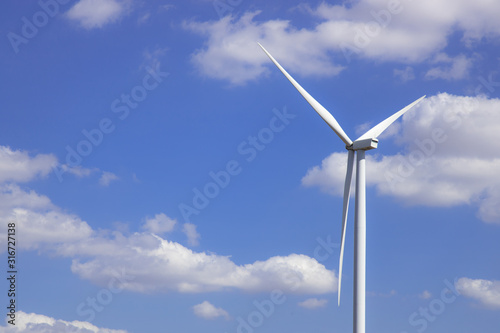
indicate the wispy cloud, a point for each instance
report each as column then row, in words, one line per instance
column 107, row 178
column 152, row 57
column 456, row 68
column 92, row 14
column 405, row 75
column 313, row 303
column 192, row 235
column 425, row 294
column 78, row 171
column 143, row 18
column 385, row 295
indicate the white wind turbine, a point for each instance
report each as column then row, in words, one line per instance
column 365, row 142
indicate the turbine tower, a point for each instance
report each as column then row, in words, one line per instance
column 365, row 142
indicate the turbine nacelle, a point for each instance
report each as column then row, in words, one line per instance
column 365, row 144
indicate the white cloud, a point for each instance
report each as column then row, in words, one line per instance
column 330, row 175
column 159, row 265
column 38, row 221
column 446, row 159
column 36, row 323
column 425, row 294
column 92, row 14
column 18, row 166
column 232, row 53
column 455, row 68
column 13, row 197
column 159, row 224
column 313, row 303
column 156, row 264
column 153, row 263
column 485, row 291
column 46, row 229
column 78, row 170
column 367, row 29
column 192, row 235
column 208, row 311
column 107, row 178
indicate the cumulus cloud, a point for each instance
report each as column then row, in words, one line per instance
column 153, row 263
column 158, row 265
column 485, row 291
column 36, row 323
column 13, row 197
column 369, row 29
column 38, row 221
column 231, row 52
column 19, row 166
column 47, row 229
column 313, row 303
column 208, row 311
column 92, row 14
column 159, row 224
column 445, row 161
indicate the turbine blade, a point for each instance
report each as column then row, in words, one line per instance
column 347, row 193
column 327, row 116
column 378, row 129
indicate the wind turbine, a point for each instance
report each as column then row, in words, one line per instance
column 365, row 142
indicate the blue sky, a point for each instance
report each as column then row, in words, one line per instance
column 164, row 176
